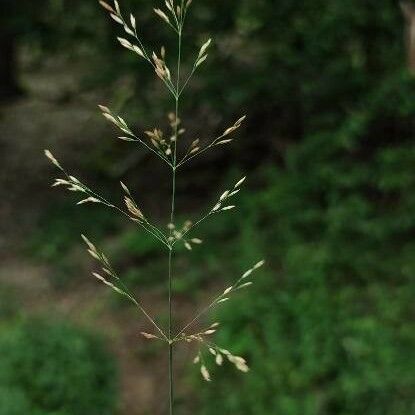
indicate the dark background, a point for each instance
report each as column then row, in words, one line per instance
column 328, row 327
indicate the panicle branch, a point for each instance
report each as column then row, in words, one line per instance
column 201, row 58
column 243, row 282
column 122, row 125
column 212, row 349
column 75, row 185
column 130, row 27
column 195, row 150
column 118, row 286
column 220, row 206
column 177, row 235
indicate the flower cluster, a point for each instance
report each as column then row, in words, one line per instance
column 166, row 146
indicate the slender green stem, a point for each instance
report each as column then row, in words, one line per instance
column 171, row 378
column 172, row 212
column 172, row 215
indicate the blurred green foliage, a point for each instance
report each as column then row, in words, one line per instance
column 330, row 329
column 61, row 226
column 54, row 369
column 9, row 303
column 59, row 229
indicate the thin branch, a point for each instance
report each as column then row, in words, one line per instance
column 217, row 208
column 118, row 209
column 127, row 293
column 187, row 80
column 152, row 149
column 146, row 56
column 185, row 159
column 224, row 296
column 217, row 141
column 199, row 315
column 159, row 235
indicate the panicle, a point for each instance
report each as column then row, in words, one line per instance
column 165, row 145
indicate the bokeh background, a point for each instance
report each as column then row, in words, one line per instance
column 328, row 327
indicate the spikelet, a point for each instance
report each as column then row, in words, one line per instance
column 239, row 362
column 132, row 208
column 162, row 15
column 125, row 43
column 188, row 246
column 149, row 336
column 125, row 188
column 52, row 158
column 202, row 56
column 204, row 48
column 109, row 284
column 89, row 200
column 133, row 21
column 259, row 264
column 240, row 182
column 107, row 6
column 234, row 127
column 117, row 18
column 219, row 359
column 201, row 60
column 91, row 246
column 245, row 285
column 205, row 373
column 228, row 290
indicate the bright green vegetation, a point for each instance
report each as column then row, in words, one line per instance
column 54, row 369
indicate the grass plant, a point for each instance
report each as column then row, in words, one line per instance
column 168, row 147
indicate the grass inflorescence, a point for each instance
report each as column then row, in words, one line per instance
column 165, row 145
